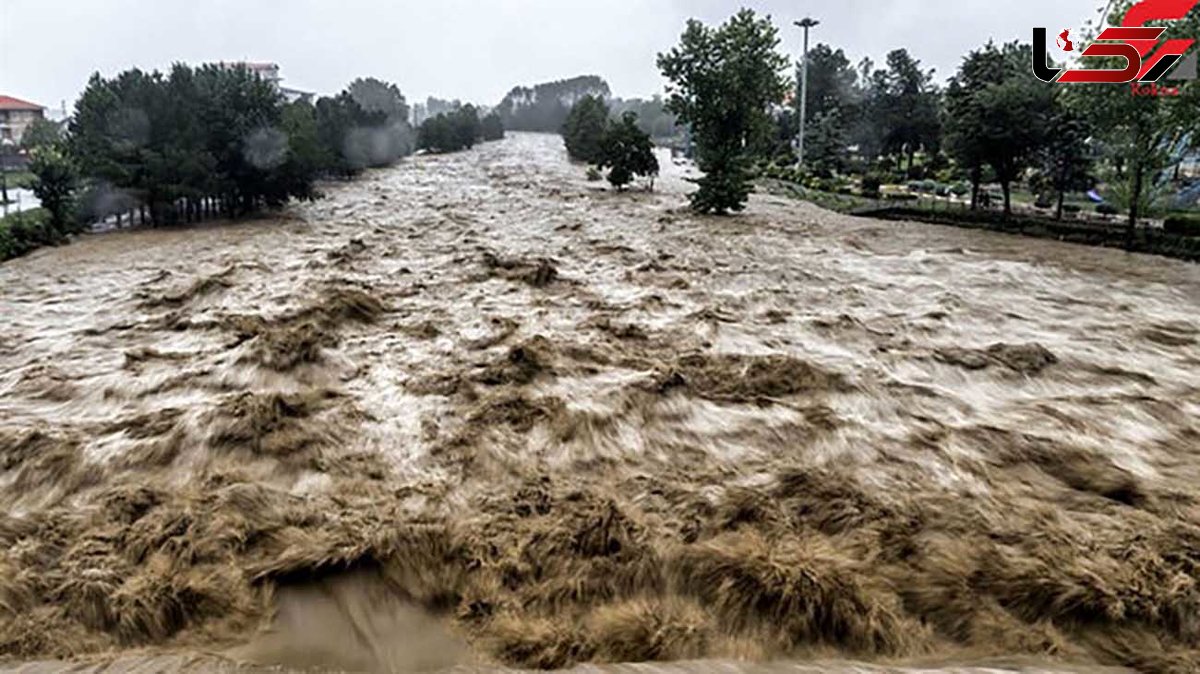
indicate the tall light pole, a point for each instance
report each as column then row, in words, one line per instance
column 6, row 146
column 806, row 23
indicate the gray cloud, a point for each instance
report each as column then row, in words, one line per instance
column 470, row 49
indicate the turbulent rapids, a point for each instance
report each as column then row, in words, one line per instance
column 474, row 410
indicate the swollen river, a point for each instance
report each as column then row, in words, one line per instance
column 474, row 412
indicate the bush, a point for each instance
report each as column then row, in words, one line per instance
column 925, row 186
column 452, row 132
column 1072, row 208
column 594, row 175
column 871, row 183
column 1107, row 209
column 1182, row 224
column 900, row 196
column 1043, row 201
column 23, row 232
column 960, row 189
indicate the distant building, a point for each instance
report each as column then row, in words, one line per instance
column 16, row 115
column 269, row 72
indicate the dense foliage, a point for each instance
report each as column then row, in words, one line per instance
column 583, row 130
column 40, row 133
column 217, row 139
column 1142, row 137
column 626, row 151
column 997, row 115
column 723, row 82
column 882, row 130
column 56, row 181
column 25, row 231
column 493, row 127
column 450, row 132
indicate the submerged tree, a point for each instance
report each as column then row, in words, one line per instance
column 583, row 132
column 627, row 152
column 723, row 82
column 450, row 132
column 57, row 179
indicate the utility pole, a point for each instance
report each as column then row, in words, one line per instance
column 806, row 23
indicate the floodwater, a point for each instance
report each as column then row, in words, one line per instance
column 474, row 412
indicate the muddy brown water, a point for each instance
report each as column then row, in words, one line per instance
column 474, row 412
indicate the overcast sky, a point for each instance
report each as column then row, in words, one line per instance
column 470, row 49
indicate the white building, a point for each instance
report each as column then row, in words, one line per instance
column 269, row 72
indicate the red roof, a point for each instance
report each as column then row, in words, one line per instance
column 10, row 103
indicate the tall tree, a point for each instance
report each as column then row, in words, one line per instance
column 57, row 179
column 583, row 131
column 723, row 82
column 627, row 152
column 996, row 115
column 492, row 127
column 1065, row 158
column 1142, row 136
column 905, row 103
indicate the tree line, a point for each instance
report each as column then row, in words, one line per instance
column 220, row 140
column 193, row 143
column 458, row 129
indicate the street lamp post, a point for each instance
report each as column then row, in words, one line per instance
column 806, row 23
column 6, row 146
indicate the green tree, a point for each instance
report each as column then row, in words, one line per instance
column 450, row 132
column 41, row 133
column 979, row 69
column 723, row 82
column 305, row 156
column 1064, row 157
column 55, row 184
column 376, row 97
column 905, row 103
column 583, row 132
column 335, row 118
column 492, row 127
column 467, row 127
column 997, row 115
column 187, row 144
column 381, row 132
column 833, row 107
column 1142, row 137
column 436, row 134
column 627, row 152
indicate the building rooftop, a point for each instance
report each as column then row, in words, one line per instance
column 10, row 103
